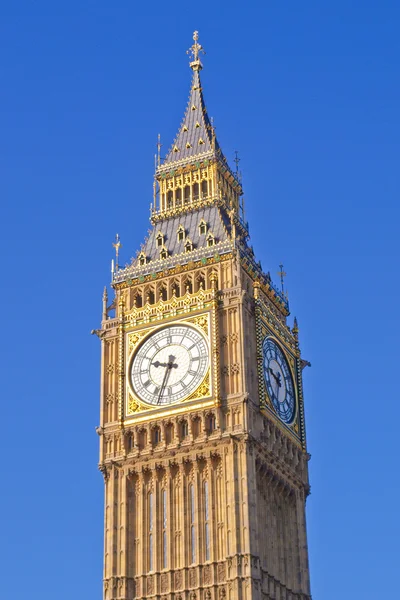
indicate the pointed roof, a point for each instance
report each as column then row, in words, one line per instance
column 195, row 139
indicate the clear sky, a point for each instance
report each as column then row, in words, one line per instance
column 309, row 94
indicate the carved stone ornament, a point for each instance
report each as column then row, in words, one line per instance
column 178, row 579
column 192, row 577
column 150, row 584
column 164, row 582
column 221, row 573
column 207, row 575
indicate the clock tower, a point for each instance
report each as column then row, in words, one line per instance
column 202, row 437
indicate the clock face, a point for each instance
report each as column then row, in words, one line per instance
column 169, row 365
column 278, row 380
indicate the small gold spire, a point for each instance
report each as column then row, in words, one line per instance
column 194, row 51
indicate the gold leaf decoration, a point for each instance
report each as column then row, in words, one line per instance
column 203, row 390
column 133, row 405
column 201, row 321
column 134, row 339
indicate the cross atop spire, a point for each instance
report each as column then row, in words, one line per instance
column 194, row 51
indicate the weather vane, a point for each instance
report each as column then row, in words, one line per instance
column 194, row 51
column 117, row 245
column 282, row 275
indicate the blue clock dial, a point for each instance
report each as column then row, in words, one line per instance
column 278, row 381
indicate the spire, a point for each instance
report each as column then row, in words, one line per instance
column 195, row 139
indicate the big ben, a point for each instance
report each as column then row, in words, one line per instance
column 202, row 433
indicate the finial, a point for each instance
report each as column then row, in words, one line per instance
column 236, row 160
column 105, row 299
column 295, row 329
column 282, row 275
column 117, row 245
column 194, row 51
column 159, row 144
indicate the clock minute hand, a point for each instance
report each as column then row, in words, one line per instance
column 169, row 365
column 276, row 377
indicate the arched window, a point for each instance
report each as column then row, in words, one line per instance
column 184, row 429
column 176, row 290
column 181, row 233
column 178, row 197
column 163, row 253
column 159, row 240
column 202, row 227
column 170, row 197
column 188, row 245
column 211, row 423
column 150, row 297
column 196, row 191
column 204, row 189
column 188, row 286
column 157, row 435
column 138, row 301
column 187, row 194
column 201, row 284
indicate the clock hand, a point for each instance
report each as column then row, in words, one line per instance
column 169, row 366
column 276, row 377
column 160, row 364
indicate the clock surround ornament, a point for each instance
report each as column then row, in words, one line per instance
column 170, row 363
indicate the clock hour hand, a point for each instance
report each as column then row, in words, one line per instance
column 168, row 364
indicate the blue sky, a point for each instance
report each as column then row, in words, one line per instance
column 308, row 93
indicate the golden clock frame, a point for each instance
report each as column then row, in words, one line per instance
column 268, row 326
column 200, row 312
